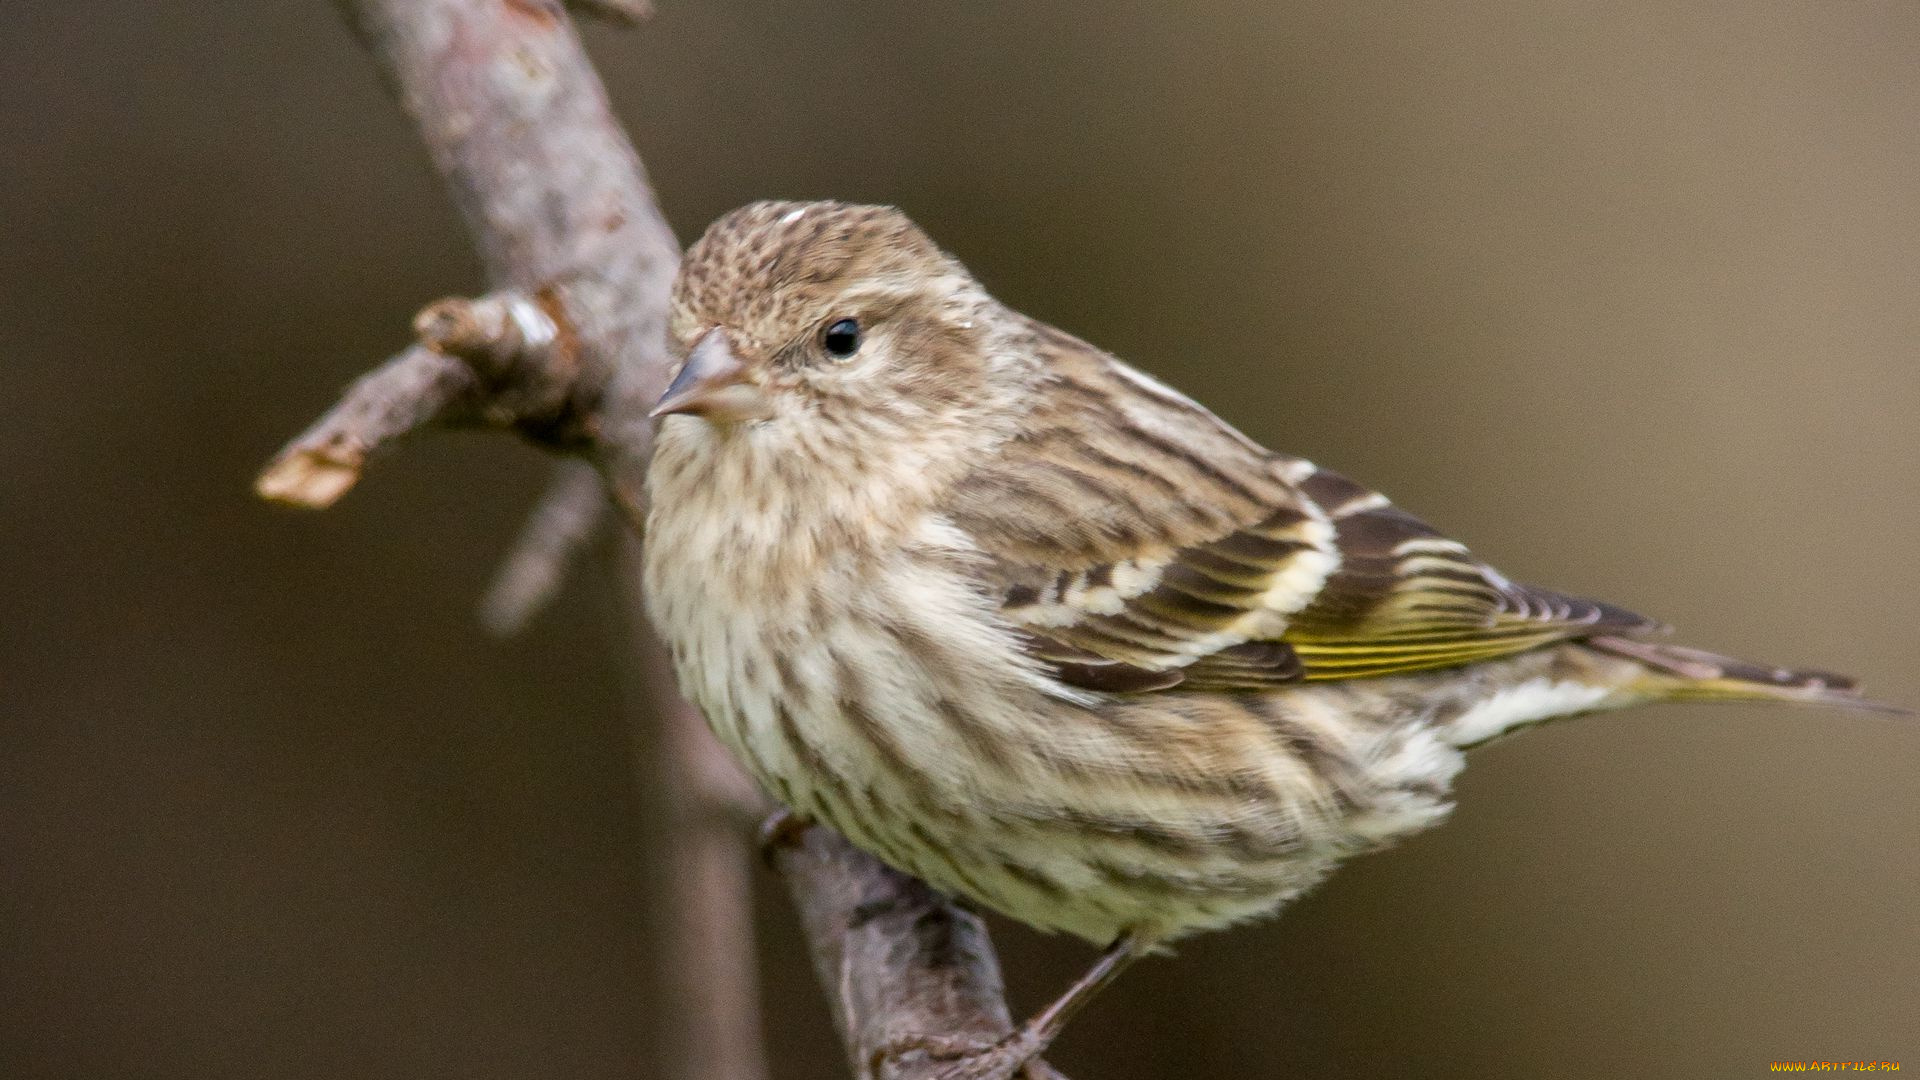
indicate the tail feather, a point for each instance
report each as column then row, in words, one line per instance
column 1677, row 673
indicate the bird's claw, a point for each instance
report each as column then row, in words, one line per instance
column 964, row 1059
column 782, row 829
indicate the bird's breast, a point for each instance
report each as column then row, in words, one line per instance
column 830, row 650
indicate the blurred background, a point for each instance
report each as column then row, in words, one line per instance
column 1624, row 295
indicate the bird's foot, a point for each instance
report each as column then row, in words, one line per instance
column 954, row 1058
column 782, row 829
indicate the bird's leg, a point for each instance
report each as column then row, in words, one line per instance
column 1007, row 1057
column 1118, row 957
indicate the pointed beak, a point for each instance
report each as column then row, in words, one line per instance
column 713, row 384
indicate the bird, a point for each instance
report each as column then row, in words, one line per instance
column 1031, row 625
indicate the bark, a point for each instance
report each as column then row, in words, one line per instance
column 911, row 977
column 569, row 350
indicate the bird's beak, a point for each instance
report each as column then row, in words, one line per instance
column 715, row 385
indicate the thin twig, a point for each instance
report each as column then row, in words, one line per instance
column 572, row 510
column 415, row 388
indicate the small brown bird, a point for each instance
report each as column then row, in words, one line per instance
column 1032, row 626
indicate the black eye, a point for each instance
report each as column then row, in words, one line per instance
column 841, row 339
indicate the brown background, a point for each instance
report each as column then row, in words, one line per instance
column 1623, row 294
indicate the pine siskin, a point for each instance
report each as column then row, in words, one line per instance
column 1032, row 626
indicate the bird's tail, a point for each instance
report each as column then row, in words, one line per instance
column 1676, row 673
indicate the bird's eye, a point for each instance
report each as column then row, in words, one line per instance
column 841, row 338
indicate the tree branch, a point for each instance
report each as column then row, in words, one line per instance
column 414, row 389
column 570, row 351
column 899, row 962
column 564, row 521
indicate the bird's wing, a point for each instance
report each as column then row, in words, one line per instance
column 1141, row 543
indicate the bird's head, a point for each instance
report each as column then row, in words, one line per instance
column 826, row 313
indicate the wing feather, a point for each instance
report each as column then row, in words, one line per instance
column 1143, row 543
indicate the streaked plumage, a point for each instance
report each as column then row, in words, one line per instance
column 1027, row 623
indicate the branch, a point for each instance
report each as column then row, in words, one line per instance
column 898, row 960
column 570, row 352
column 504, row 359
column 567, row 517
column 415, row 388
